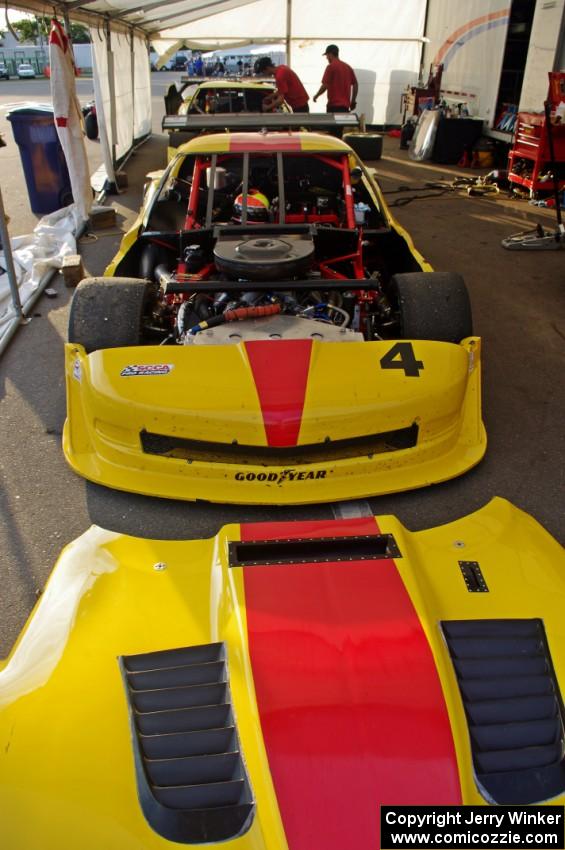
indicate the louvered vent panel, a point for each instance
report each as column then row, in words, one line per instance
column 513, row 707
column 192, row 781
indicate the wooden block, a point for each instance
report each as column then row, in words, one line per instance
column 102, row 217
column 121, row 179
column 72, row 270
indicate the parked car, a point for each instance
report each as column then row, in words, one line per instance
column 4, row 73
column 25, row 70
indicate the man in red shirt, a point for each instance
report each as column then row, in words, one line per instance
column 289, row 87
column 339, row 81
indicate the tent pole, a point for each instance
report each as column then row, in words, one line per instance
column 9, row 261
column 132, row 63
column 67, row 22
column 112, row 88
column 423, row 51
column 288, row 29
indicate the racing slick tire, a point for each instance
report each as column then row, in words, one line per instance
column 91, row 125
column 432, row 305
column 366, row 145
column 107, row 312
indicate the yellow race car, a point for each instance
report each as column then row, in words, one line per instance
column 273, row 687
column 267, row 333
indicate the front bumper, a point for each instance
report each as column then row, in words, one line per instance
column 207, row 395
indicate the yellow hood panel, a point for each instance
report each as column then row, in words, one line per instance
column 67, row 775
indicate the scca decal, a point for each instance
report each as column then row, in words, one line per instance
column 144, row 369
column 279, row 477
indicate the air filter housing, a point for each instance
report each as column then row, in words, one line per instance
column 267, row 257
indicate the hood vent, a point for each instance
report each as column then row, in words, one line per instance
column 315, row 550
column 191, row 778
column 513, row 707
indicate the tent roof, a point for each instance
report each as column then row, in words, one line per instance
column 155, row 18
column 217, row 24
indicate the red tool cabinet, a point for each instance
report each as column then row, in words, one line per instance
column 530, row 158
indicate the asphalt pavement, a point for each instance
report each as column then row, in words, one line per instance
column 518, row 305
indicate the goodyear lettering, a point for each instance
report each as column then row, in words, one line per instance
column 280, row 477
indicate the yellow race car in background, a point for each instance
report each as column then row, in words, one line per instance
column 225, row 96
column 269, row 334
column 272, row 687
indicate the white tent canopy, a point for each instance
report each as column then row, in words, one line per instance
column 381, row 40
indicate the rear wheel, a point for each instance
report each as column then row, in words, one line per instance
column 108, row 312
column 432, row 305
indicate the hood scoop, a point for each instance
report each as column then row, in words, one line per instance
column 192, row 782
column 513, row 707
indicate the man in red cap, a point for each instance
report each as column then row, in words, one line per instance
column 289, row 86
column 339, row 81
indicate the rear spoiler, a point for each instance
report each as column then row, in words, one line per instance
column 256, row 121
column 234, row 78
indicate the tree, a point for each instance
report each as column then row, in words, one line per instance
column 37, row 30
column 80, row 34
column 30, row 29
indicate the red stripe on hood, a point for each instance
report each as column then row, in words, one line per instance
column 280, row 370
column 351, row 706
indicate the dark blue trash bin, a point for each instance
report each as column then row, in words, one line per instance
column 45, row 168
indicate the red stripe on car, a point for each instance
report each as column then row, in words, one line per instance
column 351, row 707
column 249, row 142
column 280, row 370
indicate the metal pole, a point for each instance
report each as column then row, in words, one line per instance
column 288, row 29
column 132, row 67
column 553, row 163
column 112, row 89
column 9, row 260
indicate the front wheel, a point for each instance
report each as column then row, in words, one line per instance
column 109, row 312
column 432, row 305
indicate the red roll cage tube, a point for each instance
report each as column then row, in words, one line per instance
column 202, row 163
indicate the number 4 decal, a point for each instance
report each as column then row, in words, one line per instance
column 401, row 356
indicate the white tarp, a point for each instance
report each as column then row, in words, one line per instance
column 469, row 38
column 68, row 118
column 103, row 99
column 141, row 89
column 122, row 90
column 34, row 254
column 380, row 40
